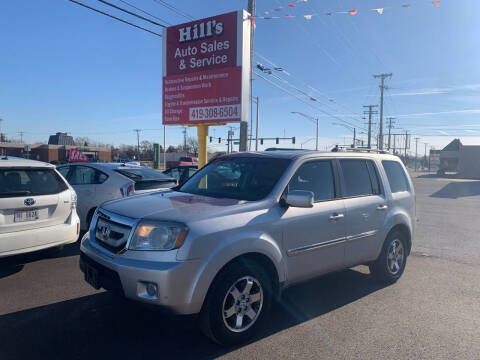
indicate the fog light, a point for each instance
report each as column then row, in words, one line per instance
column 151, row 289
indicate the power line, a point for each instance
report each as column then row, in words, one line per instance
column 174, row 9
column 305, row 102
column 145, row 12
column 131, row 13
column 114, row 17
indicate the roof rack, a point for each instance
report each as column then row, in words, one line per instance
column 356, row 149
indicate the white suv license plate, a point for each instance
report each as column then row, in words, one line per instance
column 25, row 215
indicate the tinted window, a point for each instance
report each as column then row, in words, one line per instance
column 317, row 177
column 396, row 176
column 141, row 174
column 372, row 169
column 30, row 182
column 356, row 177
column 173, row 173
column 64, row 171
column 248, row 178
column 82, row 175
column 191, row 171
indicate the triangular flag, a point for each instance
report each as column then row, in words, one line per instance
column 353, row 12
column 406, row 5
column 291, row 5
column 308, row 17
column 436, row 3
column 379, row 10
column 329, row 14
column 278, row 9
column 266, row 13
column 288, row 16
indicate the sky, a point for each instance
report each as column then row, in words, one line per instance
column 66, row 68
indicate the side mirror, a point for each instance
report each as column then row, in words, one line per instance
column 300, row 198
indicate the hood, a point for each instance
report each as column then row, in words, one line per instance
column 176, row 206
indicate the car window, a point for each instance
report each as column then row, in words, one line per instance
column 317, row 177
column 356, row 177
column 175, row 173
column 82, row 175
column 396, row 176
column 191, row 171
column 374, row 178
column 140, row 174
column 242, row 178
column 64, row 170
column 101, row 177
column 30, row 182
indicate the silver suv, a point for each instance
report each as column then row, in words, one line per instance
column 248, row 225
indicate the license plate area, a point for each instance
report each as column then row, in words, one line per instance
column 91, row 276
column 26, row 215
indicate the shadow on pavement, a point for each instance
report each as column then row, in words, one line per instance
column 106, row 327
column 455, row 190
column 13, row 264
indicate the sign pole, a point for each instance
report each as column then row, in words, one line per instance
column 202, row 134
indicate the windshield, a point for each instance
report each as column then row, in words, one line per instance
column 142, row 174
column 249, row 179
column 30, row 182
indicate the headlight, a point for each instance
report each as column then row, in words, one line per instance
column 152, row 235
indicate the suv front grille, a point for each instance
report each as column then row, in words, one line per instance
column 110, row 234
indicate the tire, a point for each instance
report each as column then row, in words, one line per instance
column 220, row 325
column 391, row 262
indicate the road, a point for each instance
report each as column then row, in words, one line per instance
column 48, row 312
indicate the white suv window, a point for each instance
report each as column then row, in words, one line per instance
column 396, row 176
column 317, row 177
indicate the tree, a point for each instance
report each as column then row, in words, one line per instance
column 192, row 145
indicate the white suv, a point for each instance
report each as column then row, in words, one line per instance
column 37, row 207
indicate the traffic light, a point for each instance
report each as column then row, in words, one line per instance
column 293, row 140
column 211, row 138
column 261, row 141
column 219, row 140
column 276, row 141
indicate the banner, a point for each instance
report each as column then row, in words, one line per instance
column 77, row 156
column 206, row 70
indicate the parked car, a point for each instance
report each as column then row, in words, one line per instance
column 181, row 173
column 96, row 183
column 37, row 207
column 183, row 161
column 247, row 226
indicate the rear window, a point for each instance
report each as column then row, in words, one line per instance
column 142, row 174
column 396, row 176
column 30, row 182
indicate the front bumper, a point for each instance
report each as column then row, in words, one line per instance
column 129, row 274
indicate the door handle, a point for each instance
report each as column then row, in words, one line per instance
column 382, row 207
column 336, row 216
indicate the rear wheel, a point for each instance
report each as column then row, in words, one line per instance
column 391, row 263
column 237, row 304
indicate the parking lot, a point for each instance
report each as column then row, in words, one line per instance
column 48, row 311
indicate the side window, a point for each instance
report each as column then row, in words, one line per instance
column 317, row 177
column 396, row 176
column 374, row 178
column 191, row 171
column 356, row 177
column 82, row 175
column 174, row 173
column 64, row 171
column 101, row 177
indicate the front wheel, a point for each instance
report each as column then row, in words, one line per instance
column 237, row 303
column 391, row 263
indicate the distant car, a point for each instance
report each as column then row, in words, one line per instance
column 96, row 183
column 37, row 207
column 181, row 173
column 183, row 161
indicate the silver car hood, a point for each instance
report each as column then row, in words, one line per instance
column 177, row 206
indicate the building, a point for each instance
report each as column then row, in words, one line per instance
column 53, row 153
column 61, row 139
column 463, row 159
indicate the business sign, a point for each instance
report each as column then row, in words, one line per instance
column 77, row 156
column 206, row 70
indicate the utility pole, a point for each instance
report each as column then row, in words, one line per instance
column 416, row 152
column 1, row 135
column 354, row 136
column 390, row 125
column 256, row 126
column 244, row 124
column 406, row 144
column 164, row 150
column 185, row 140
column 370, row 112
column 382, row 88
column 138, row 142
column 394, row 143
column 21, row 136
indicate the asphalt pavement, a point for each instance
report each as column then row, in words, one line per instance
column 47, row 311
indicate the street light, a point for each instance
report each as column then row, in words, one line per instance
column 349, row 128
column 312, row 119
